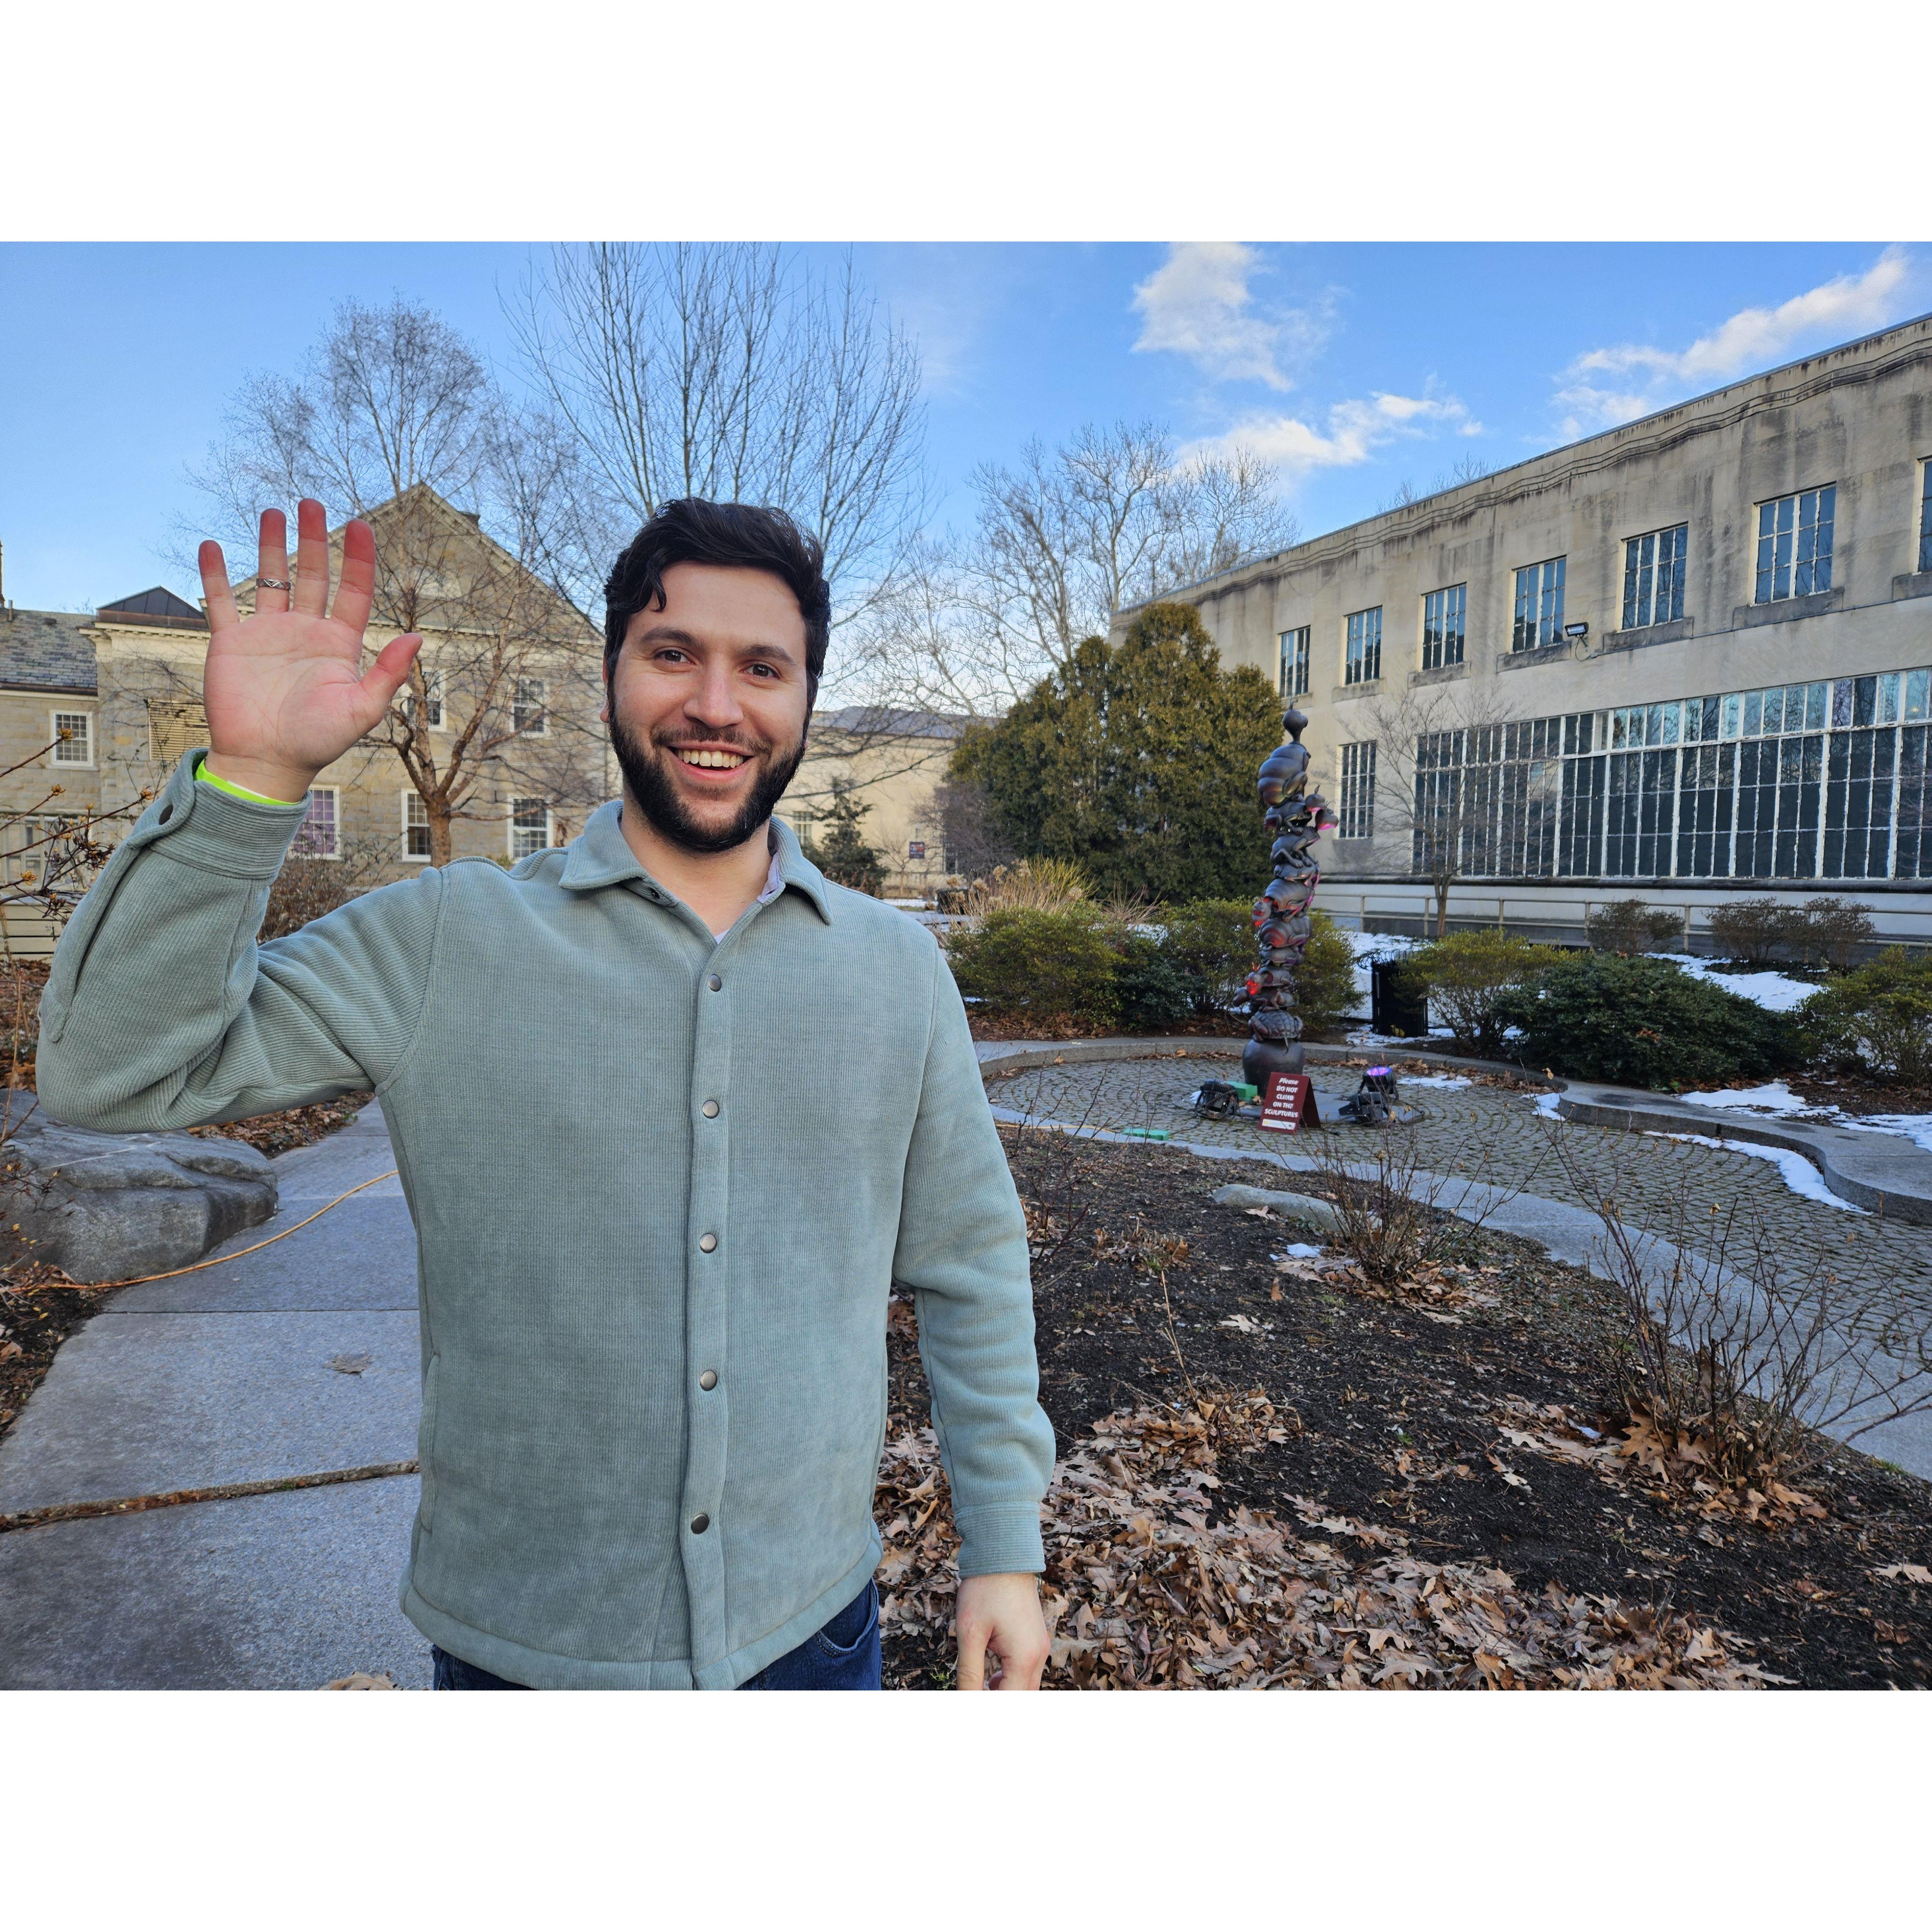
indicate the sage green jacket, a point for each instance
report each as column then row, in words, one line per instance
column 653, row 1331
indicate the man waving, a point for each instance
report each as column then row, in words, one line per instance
column 672, row 1113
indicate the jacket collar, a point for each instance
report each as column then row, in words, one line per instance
column 601, row 856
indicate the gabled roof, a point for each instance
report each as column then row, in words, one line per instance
column 419, row 509
column 157, row 606
column 47, row 650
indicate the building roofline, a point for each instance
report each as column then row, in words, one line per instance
column 1633, row 430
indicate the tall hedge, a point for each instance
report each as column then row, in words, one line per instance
column 1138, row 761
column 1642, row 1022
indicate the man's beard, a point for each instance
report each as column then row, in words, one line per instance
column 654, row 790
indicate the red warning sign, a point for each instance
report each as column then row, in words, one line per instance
column 1289, row 1104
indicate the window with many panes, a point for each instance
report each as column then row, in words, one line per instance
column 526, row 713
column 1363, row 664
column 1925, row 515
column 1539, row 605
column 529, row 826
column 73, row 738
column 1654, row 577
column 1794, row 543
column 1444, row 613
column 1295, row 663
column 1358, row 791
column 416, row 826
column 316, row 837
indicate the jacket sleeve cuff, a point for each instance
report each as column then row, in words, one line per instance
column 1001, row 1539
column 203, row 826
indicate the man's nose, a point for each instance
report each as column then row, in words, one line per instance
column 715, row 702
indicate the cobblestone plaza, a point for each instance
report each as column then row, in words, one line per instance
column 1495, row 1134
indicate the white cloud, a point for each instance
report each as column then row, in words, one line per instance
column 1754, row 339
column 1197, row 304
column 1354, row 432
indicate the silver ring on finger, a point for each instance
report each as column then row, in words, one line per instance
column 270, row 584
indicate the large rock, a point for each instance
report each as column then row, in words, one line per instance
column 1308, row 1208
column 110, row 1207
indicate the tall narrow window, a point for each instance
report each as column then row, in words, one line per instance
column 1364, row 662
column 529, row 826
column 416, row 826
column 526, row 713
column 1794, row 543
column 1295, row 663
column 1539, row 605
column 1443, row 614
column 1654, row 577
column 315, row 836
column 1925, row 517
column 432, row 700
column 73, row 738
column 1358, row 791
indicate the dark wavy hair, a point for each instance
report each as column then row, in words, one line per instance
column 739, row 536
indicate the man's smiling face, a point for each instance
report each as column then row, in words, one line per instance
column 708, row 702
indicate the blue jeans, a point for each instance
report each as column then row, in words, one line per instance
column 842, row 1656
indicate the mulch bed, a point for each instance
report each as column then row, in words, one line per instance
column 1404, row 1493
column 40, row 1308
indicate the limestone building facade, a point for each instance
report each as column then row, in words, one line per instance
column 104, row 704
column 1688, row 660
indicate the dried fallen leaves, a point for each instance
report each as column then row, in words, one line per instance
column 1145, row 1590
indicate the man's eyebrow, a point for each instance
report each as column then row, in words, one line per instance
column 675, row 634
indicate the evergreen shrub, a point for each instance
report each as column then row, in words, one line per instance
column 1212, row 943
column 1470, row 975
column 1641, row 1022
column 1150, row 989
column 1030, row 963
column 1876, row 1019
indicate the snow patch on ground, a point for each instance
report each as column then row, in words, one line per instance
column 1799, row 1175
column 1776, row 1099
column 1915, row 1127
column 1773, row 1098
column 1777, row 992
column 1436, row 1080
column 1547, row 1105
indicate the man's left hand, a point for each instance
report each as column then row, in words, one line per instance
column 1000, row 1616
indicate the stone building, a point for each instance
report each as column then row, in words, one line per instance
column 894, row 762
column 104, row 704
column 1688, row 660
column 100, row 705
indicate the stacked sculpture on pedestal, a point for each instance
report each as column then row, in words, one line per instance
column 1297, row 816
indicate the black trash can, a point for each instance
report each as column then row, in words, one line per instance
column 1398, row 1006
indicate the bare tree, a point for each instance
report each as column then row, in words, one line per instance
column 1463, row 789
column 730, row 372
column 389, row 398
column 1468, row 468
column 394, row 417
column 1062, row 540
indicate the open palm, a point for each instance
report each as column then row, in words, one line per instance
column 285, row 690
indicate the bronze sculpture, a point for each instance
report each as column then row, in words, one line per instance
column 1297, row 816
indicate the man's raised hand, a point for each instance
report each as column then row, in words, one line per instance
column 285, row 691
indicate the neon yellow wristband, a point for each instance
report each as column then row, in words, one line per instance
column 208, row 778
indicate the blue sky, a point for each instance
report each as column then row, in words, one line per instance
column 1353, row 367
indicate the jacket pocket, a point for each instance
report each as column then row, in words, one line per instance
column 426, row 1448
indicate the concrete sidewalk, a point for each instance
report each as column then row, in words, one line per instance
column 298, row 1360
